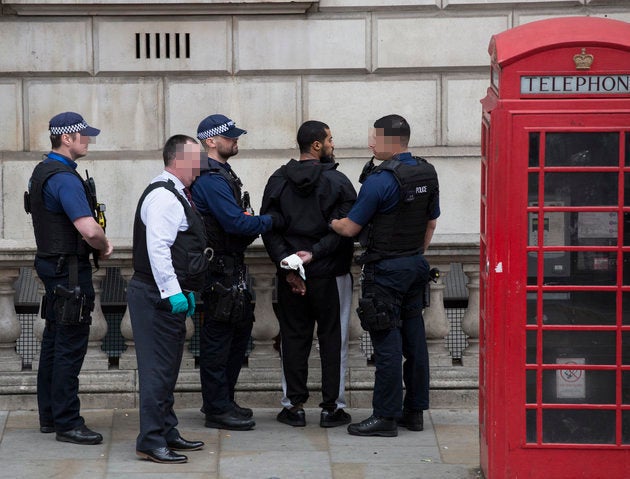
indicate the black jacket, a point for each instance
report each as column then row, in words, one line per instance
column 308, row 195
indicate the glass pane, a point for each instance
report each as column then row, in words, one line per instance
column 625, row 426
column 593, row 268
column 531, row 347
column 531, row 308
column 626, row 186
column 578, row 386
column 625, row 350
column 580, row 307
column 530, row 386
column 625, row 309
column 578, row 426
column 625, row 387
column 582, row 149
column 627, row 148
column 579, row 347
column 581, row 189
column 589, row 228
column 531, row 425
column 532, row 188
column 534, row 146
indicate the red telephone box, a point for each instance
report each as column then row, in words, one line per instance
column 554, row 386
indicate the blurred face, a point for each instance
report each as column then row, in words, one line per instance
column 383, row 147
column 76, row 144
column 188, row 162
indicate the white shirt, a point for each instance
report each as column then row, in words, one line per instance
column 163, row 216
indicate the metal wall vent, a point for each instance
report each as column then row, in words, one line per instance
column 163, row 45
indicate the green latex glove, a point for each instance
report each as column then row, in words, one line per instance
column 179, row 303
column 191, row 304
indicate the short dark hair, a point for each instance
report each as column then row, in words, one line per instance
column 394, row 125
column 55, row 140
column 170, row 147
column 310, row 132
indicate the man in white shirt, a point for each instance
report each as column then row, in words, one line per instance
column 169, row 265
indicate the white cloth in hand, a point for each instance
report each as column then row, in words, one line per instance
column 294, row 262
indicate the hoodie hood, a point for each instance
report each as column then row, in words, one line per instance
column 303, row 176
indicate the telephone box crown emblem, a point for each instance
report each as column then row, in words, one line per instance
column 583, row 61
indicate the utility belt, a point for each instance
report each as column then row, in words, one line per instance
column 227, row 299
column 71, row 306
column 376, row 309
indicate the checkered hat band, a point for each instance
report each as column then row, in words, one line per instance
column 217, row 130
column 61, row 130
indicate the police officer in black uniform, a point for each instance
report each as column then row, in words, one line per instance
column 64, row 213
column 228, row 310
column 396, row 213
column 169, row 264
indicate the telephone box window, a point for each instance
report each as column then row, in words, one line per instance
column 582, row 149
column 534, row 146
column 578, row 426
column 582, row 188
column 589, row 347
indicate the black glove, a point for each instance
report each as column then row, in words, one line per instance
column 277, row 220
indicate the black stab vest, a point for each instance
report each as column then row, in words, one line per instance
column 401, row 231
column 219, row 240
column 187, row 252
column 55, row 234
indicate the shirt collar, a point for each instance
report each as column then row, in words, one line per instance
column 212, row 163
column 179, row 186
column 63, row 159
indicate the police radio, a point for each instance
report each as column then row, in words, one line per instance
column 99, row 208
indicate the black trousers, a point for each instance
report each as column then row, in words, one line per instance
column 159, row 337
column 297, row 316
column 222, row 348
column 62, row 351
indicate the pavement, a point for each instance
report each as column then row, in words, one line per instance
column 448, row 448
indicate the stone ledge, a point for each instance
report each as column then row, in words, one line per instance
column 157, row 7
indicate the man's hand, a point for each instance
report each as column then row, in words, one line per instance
column 108, row 251
column 179, row 303
column 305, row 256
column 298, row 286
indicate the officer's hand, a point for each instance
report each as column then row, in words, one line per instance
column 179, row 303
column 108, row 251
column 191, row 304
column 277, row 220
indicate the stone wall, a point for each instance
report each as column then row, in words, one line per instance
column 142, row 73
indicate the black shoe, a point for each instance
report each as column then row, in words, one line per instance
column 334, row 418
column 293, row 417
column 374, row 426
column 181, row 444
column 163, row 455
column 46, row 429
column 244, row 412
column 412, row 420
column 80, row 435
column 229, row 420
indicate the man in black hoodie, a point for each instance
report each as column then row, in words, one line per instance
column 309, row 193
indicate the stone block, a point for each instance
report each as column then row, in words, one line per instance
column 10, row 113
column 267, row 109
column 128, row 111
column 46, row 45
column 17, row 224
column 185, row 44
column 416, row 100
column 294, row 43
column 336, row 5
column 419, row 42
column 463, row 110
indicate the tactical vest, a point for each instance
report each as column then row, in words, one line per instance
column 55, row 234
column 187, row 252
column 401, row 231
column 218, row 239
